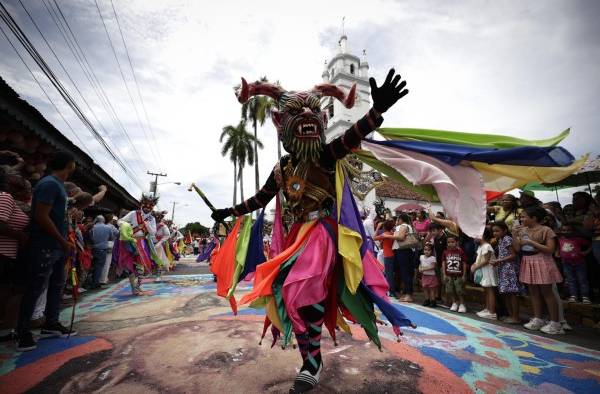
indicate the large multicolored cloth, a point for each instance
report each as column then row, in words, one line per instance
column 464, row 170
column 323, row 261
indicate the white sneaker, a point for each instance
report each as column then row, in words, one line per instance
column 462, row 308
column 565, row 325
column 482, row 313
column 489, row 315
column 553, row 328
column 454, row 307
column 534, row 324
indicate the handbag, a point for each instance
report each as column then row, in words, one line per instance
column 478, row 277
column 409, row 242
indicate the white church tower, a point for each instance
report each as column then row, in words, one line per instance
column 344, row 70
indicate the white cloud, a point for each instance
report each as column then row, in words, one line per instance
column 500, row 67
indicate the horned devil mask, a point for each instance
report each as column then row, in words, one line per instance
column 298, row 118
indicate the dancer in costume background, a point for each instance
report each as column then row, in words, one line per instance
column 136, row 230
column 162, row 238
column 176, row 242
column 308, row 280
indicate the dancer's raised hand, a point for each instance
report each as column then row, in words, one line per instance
column 388, row 93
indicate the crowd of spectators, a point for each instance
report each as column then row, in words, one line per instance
column 544, row 250
column 44, row 233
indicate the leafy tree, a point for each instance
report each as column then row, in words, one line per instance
column 257, row 109
column 239, row 145
column 196, row 228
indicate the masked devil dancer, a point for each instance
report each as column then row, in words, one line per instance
column 307, row 178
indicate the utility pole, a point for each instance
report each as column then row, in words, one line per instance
column 153, row 186
column 173, row 212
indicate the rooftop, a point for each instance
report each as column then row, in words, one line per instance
column 393, row 189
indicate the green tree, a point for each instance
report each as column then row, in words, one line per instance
column 196, row 228
column 239, row 145
column 257, row 110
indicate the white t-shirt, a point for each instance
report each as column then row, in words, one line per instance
column 489, row 272
column 428, row 262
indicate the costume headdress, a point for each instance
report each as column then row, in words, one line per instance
column 149, row 198
column 298, row 117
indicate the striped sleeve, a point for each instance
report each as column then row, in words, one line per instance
column 259, row 200
column 344, row 144
column 7, row 207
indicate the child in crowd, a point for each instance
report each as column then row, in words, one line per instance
column 440, row 243
column 429, row 280
column 573, row 249
column 455, row 273
column 388, row 255
column 488, row 277
column 508, row 271
column 536, row 244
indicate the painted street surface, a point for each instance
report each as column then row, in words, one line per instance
column 179, row 337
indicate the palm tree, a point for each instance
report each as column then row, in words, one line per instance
column 239, row 145
column 258, row 110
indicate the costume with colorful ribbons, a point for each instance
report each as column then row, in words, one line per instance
column 207, row 251
column 321, row 272
column 133, row 254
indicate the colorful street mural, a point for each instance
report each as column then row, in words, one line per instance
column 193, row 335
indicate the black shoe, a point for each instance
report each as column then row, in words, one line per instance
column 56, row 330
column 427, row 303
column 11, row 336
column 433, row 304
column 305, row 381
column 26, row 342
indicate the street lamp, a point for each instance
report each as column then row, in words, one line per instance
column 154, row 186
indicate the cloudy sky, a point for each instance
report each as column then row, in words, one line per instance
column 521, row 68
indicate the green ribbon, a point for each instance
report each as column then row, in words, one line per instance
column 473, row 139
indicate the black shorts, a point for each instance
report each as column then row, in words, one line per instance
column 12, row 271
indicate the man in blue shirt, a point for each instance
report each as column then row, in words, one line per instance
column 47, row 250
column 101, row 234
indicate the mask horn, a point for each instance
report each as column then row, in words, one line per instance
column 258, row 88
column 328, row 89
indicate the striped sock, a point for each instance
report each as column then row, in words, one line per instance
column 315, row 316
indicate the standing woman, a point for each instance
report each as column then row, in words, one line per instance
column 507, row 212
column 13, row 237
column 536, row 243
column 404, row 254
column 421, row 227
column 389, row 263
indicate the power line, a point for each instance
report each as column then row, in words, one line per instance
column 45, row 93
column 72, row 43
column 30, row 48
column 63, row 68
column 125, row 82
column 137, row 85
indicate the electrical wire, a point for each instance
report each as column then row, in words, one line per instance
column 70, row 38
column 30, row 48
column 137, row 86
column 125, row 83
column 65, row 70
column 87, row 150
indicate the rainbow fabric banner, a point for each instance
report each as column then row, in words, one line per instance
column 464, row 170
